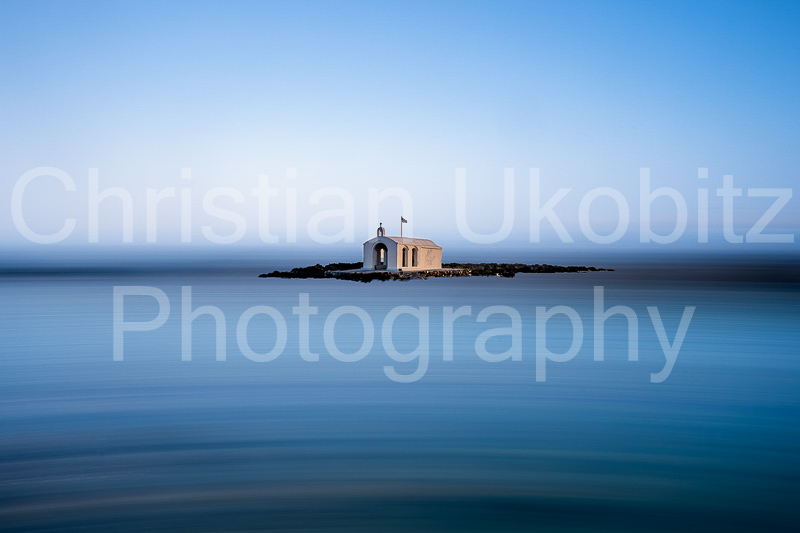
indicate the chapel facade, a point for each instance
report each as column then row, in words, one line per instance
column 401, row 253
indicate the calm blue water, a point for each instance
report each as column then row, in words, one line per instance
column 153, row 442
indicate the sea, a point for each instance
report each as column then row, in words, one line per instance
column 447, row 404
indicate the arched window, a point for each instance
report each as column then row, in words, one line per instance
column 405, row 256
column 414, row 257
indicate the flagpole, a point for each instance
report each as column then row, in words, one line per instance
column 401, row 226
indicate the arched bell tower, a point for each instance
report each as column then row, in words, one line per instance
column 381, row 230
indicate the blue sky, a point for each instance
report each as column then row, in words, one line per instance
column 363, row 95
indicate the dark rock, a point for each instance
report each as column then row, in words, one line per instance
column 346, row 271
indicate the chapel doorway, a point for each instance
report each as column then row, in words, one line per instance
column 379, row 257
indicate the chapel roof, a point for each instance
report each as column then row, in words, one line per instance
column 412, row 241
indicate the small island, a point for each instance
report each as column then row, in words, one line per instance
column 355, row 272
column 388, row 258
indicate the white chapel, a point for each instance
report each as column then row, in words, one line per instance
column 401, row 253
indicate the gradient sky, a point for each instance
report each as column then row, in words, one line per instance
column 378, row 94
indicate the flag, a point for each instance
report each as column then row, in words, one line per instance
column 403, row 220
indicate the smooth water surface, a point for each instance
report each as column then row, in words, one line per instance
column 154, row 442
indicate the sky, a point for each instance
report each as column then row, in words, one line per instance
column 349, row 97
